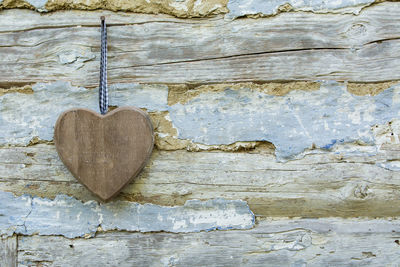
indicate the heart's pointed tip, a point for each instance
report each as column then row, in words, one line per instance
column 104, row 198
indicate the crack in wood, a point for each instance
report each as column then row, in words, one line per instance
column 231, row 56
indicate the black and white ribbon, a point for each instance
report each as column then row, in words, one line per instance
column 103, row 91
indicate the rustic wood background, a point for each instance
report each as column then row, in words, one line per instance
column 276, row 122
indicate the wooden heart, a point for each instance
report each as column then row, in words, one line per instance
column 104, row 152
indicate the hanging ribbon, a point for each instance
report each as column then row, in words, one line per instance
column 103, row 90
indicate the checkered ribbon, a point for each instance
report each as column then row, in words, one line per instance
column 103, row 91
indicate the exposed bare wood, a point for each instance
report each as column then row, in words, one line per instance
column 320, row 242
column 155, row 49
column 352, row 182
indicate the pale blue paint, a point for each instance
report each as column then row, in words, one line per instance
column 293, row 122
column 13, row 212
column 24, row 116
column 39, row 5
column 391, row 165
column 238, row 8
column 150, row 97
column 148, row 217
column 71, row 218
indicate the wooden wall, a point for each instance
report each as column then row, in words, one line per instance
column 277, row 132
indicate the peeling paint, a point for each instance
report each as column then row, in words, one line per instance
column 291, row 117
column 38, row 4
column 149, row 97
column 76, row 57
column 293, row 123
column 280, row 242
column 71, row 218
column 166, row 138
column 27, row 89
column 392, row 165
column 362, row 89
column 196, row 8
column 387, row 133
column 24, row 117
column 182, row 93
column 239, row 8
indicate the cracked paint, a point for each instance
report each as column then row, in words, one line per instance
column 240, row 8
column 71, row 218
column 294, row 122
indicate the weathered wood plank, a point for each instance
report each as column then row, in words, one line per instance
column 319, row 242
column 60, row 96
column 349, row 181
column 220, row 114
column 293, row 123
column 154, row 49
column 238, row 8
column 193, row 8
column 187, row 8
column 8, row 251
column 72, row 218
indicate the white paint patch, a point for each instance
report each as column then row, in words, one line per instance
column 178, row 224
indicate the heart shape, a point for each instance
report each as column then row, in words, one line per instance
column 104, row 152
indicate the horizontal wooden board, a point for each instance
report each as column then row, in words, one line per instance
column 160, row 49
column 234, row 115
column 185, row 9
column 239, row 8
column 71, row 218
column 320, row 242
column 349, row 181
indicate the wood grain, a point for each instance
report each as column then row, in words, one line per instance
column 348, row 183
column 161, row 49
column 8, row 251
column 320, row 242
column 104, row 152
